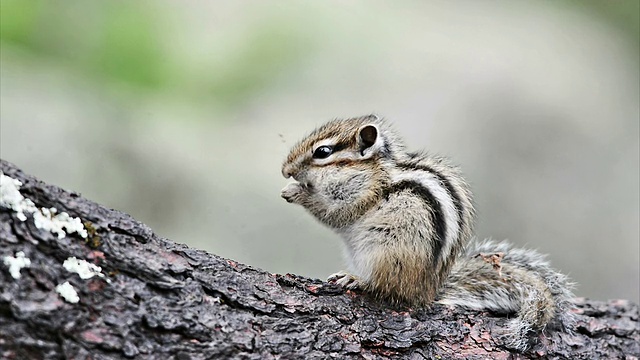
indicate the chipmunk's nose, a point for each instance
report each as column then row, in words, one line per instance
column 288, row 171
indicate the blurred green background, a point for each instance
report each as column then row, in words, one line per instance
column 180, row 113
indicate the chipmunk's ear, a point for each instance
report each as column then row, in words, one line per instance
column 368, row 137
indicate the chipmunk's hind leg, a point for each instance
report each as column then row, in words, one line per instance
column 559, row 285
column 494, row 277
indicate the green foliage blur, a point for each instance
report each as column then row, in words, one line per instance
column 122, row 43
column 623, row 14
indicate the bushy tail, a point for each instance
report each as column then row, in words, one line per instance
column 493, row 276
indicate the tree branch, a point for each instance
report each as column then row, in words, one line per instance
column 156, row 299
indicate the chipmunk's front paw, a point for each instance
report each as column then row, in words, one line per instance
column 346, row 280
column 292, row 192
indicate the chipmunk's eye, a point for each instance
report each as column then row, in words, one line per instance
column 322, row 152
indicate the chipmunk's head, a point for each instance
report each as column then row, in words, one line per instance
column 341, row 168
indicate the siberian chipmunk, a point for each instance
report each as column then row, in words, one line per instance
column 406, row 219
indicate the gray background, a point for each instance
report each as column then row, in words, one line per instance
column 180, row 113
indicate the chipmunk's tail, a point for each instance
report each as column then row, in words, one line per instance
column 492, row 276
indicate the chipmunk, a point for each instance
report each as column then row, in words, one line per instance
column 406, row 219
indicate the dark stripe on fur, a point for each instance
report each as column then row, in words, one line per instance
column 439, row 221
column 457, row 202
column 340, row 146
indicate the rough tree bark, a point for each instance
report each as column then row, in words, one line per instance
column 162, row 300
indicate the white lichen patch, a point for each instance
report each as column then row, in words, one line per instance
column 45, row 219
column 11, row 198
column 83, row 268
column 68, row 292
column 15, row 264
